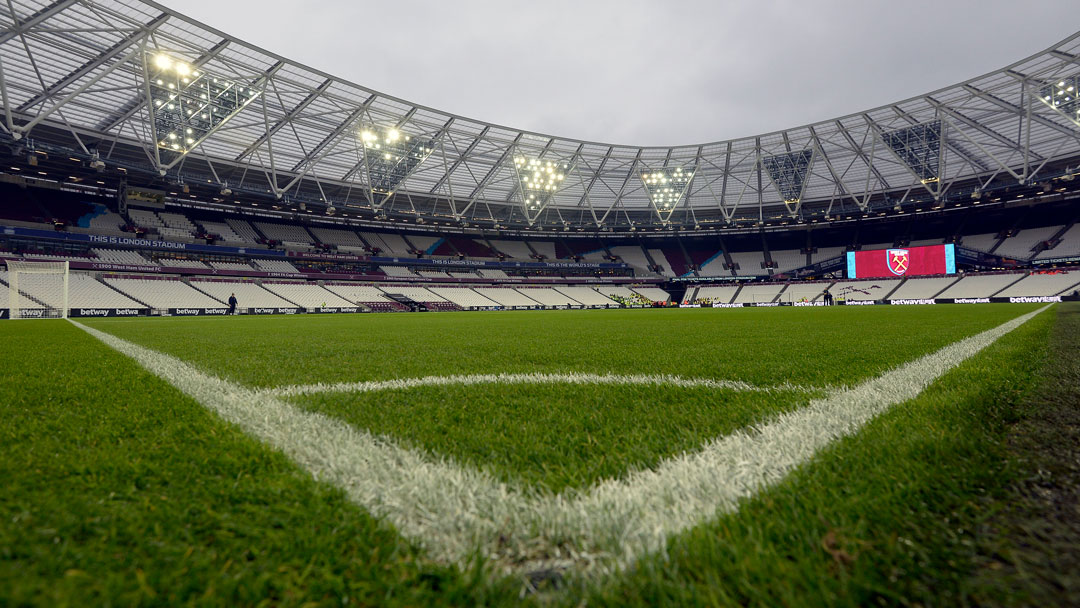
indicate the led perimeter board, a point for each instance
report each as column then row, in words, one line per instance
column 901, row 262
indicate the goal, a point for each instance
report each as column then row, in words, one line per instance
column 37, row 290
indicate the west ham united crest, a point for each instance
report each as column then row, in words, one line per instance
column 898, row 260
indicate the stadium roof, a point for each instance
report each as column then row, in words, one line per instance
column 139, row 86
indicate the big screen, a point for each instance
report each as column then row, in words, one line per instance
column 901, row 262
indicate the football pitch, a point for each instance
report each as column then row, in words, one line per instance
column 796, row 456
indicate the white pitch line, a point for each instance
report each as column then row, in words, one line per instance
column 455, row 511
column 535, row 378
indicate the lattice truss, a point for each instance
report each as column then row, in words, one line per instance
column 83, row 76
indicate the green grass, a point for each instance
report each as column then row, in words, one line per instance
column 120, row 490
column 554, row 436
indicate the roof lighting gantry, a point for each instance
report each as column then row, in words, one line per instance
column 187, row 105
column 538, row 181
column 390, row 156
column 667, row 188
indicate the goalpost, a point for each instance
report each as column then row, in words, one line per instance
column 37, row 290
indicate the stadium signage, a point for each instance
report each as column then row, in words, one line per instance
column 134, row 242
column 125, row 241
column 727, row 305
column 808, row 303
column 273, row 311
column 196, row 312
column 766, row 304
column 858, row 302
column 912, row 261
column 3, row 313
column 1034, row 299
column 971, row 300
column 912, row 302
column 105, row 312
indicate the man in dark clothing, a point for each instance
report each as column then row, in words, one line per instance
column 232, row 304
column 827, row 297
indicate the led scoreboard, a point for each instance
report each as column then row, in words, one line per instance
column 902, row 262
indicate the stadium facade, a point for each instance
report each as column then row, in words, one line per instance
column 132, row 132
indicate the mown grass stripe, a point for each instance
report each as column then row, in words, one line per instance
column 455, row 512
column 537, row 378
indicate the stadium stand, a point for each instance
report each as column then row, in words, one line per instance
column 869, row 289
column 5, row 293
column 979, row 286
column 980, row 242
column 275, row 266
column 544, row 248
column 634, row 256
column 492, row 273
column 423, row 242
column 506, row 296
column 225, row 233
column 162, row 292
column 759, row 293
column 397, row 271
column 245, row 230
column 547, row 296
column 1044, row 284
column 121, row 256
column 84, row 291
column 416, row 294
column 1068, row 246
column 716, row 293
column 921, row 288
column 1022, row 244
column 338, row 237
column 811, row 292
column 657, row 256
column 232, row 266
column 515, row 250
column 826, row 253
column 788, row 259
column 654, row 294
column 432, row 274
column 248, row 294
column 307, row 295
column 145, row 219
column 287, row 234
column 749, row 263
column 464, row 297
column 586, row 295
column 167, row 262
column 395, row 244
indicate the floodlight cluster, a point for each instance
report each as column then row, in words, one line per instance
column 188, row 104
column 919, row 146
column 788, row 173
column 540, row 179
column 1062, row 96
column 667, row 186
column 391, row 155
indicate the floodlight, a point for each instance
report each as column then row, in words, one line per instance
column 399, row 154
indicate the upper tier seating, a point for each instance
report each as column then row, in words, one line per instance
column 633, row 256
column 1061, row 283
column 144, row 218
column 337, row 236
column 544, row 248
column 276, row 266
column 121, row 256
column 464, row 297
column 307, row 295
column 433, row 274
column 107, row 223
column 921, row 288
column 180, row 263
column 423, row 242
column 177, row 221
column 286, row 233
column 1021, row 245
column 869, row 289
column 492, row 273
column 464, row 275
column 749, row 263
column 826, row 253
column 980, row 242
column 164, row 293
column 1068, row 247
column 586, row 295
column 665, row 267
column 244, row 229
column 226, row 233
column 248, row 294
column 788, row 259
column 979, row 286
column 516, row 250
column 84, row 291
column 506, row 296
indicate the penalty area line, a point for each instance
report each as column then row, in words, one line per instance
column 456, row 512
column 536, row 378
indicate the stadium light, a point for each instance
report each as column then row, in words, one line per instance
column 187, row 105
column 666, row 188
column 1062, row 97
column 391, row 156
column 539, row 180
column 919, row 147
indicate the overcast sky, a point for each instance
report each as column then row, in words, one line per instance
column 647, row 72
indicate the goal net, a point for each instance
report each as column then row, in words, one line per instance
column 37, row 290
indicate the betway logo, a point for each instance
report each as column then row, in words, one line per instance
column 808, row 304
column 93, row 312
column 726, row 305
column 971, row 301
column 187, row 311
column 1035, row 299
column 127, row 312
column 859, row 303
column 912, row 302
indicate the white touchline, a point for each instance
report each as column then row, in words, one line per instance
column 535, row 378
column 455, row 511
